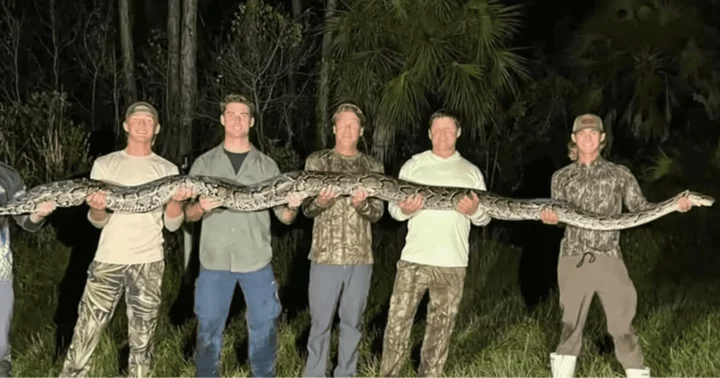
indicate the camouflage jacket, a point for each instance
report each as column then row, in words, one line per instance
column 601, row 187
column 342, row 234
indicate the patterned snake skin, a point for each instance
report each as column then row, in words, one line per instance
column 272, row 192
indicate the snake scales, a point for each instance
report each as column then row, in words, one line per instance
column 272, row 192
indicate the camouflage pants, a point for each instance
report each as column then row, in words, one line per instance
column 105, row 285
column 445, row 286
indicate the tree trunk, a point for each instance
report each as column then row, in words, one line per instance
column 172, row 96
column 128, row 55
column 324, row 82
column 291, row 83
column 188, row 73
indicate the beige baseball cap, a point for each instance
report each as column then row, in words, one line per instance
column 586, row 121
column 142, row 107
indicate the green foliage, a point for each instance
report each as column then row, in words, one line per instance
column 287, row 159
column 259, row 56
column 662, row 166
column 639, row 61
column 40, row 140
column 401, row 60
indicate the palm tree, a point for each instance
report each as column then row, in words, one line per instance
column 637, row 61
column 400, row 60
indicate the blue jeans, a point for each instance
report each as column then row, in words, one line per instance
column 6, row 313
column 213, row 294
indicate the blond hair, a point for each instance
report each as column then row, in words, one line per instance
column 347, row 107
column 231, row 98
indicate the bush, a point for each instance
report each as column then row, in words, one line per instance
column 39, row 139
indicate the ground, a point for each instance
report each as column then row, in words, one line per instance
column 497, row 334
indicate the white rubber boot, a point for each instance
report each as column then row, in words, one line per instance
column 563, row 366
column 637, row 373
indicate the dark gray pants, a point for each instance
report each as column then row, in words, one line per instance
column 608, row 277
column 6, row 311
column 349, row 283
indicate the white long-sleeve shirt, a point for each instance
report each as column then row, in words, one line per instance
column 439, row 237
column 129, row 238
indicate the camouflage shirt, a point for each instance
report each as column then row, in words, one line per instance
column 601, row 187
column 342, row 234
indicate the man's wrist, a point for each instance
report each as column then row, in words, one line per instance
column 363, row 205
column 318, row 204
column 98, row 214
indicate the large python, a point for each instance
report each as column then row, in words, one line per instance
column 272, row 192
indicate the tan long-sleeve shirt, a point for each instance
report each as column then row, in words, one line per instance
column 342, row 234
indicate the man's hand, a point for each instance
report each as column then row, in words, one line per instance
column 42, row 210
column 174, row 207
column 684, row 204
column 183, row 193
column 548, row 216
column 204, row 205
column 468, row 205
column 97, row 201
column 208, row 204
column 411, row 205
column 325, row 196
column 294, row 200
column 359, row 197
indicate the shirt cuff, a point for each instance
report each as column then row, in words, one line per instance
column 97, row 224
column 172, row 224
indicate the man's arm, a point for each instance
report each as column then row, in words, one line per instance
column 557, row 191
column 310, row 207
column 284, row 214
column 173, row 215
column 373, row 208
column 632, row 195
column 98, row 218
column 480, row 218
column 28, row 222
column 393, row 208
column 193, row 211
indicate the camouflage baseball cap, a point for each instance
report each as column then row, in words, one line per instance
column 586, row 121
column 142, row 107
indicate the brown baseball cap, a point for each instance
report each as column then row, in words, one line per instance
column 588, row 121
column 142, row 107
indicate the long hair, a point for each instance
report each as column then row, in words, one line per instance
column 573, row 150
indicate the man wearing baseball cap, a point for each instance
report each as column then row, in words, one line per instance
column 142, row 107
column 130, row 255
column 591, row 261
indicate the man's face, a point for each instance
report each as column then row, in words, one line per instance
column 237, row 120
column 347, row 129
column 588, row 140
column 140, row 127
column 443, row 133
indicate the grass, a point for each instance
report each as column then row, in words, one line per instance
column 496, row 334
